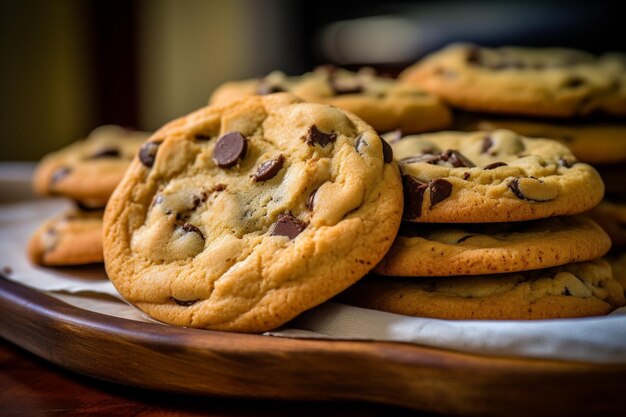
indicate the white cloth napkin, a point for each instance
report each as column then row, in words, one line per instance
column 596, row 339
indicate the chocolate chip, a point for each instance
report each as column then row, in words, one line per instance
column 566, row 292
column 457, row 159
column 574, row 82
column 314, row 136
column 466, row 175
column 440, row 189
column 413, row 196
column 229, row 149
column 533, row 189
column 59, row 174
column 361, row 143
column 287, row 225
column 218, row 188
column 183, row 303
column 474, row 56
column 106, row 153
column 190, row 228
column 202, row 137
column 464, row 238
column 7, row 270
column 147, row 153
column 266, row 87
column 487, row 144
column 567, row 163
column 311, row 200
column 268, row 169
column 495, row 165
column 387, row 151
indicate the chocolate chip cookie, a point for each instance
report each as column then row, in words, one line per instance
column 618, row 265
column 71, row 238
column 474, row 249
column 241, row 217
column 573, row 290
column 550, row 82
column 87, row 171
column 382, row 102
column 499, row 176
column 611, row 216
column 592, row 142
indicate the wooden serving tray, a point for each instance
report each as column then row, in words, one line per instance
column 206, row 362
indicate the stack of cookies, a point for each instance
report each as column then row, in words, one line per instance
column 86, row 172
column 567, row 95
column 491, row 231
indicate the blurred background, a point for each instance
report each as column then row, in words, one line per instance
column 71, row 65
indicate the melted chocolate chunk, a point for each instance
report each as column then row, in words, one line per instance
column 310, row 202
column 59, row 174
column 495, row 165
column 464, row 238
column 514, row 186
column 413, row 196
column 190, row 228
column 314, row 136
column 183, row 303
column 487, row 144
column 106, row 153
column 147, row 153
column 230, row 149
column 566, row 162
column 268, row 169
column 440, row 189
column 457, row 159
column 361, row 143
column 287, row 225
column 387, row 151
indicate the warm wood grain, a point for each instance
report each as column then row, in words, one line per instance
column 31, row 386
column 248, row 366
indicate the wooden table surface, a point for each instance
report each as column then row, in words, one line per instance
column 30, row 386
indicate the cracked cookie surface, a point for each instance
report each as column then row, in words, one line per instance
column 473, row 249
column 481, row 177
column 550, row 82
column 573, row 290
column 71, row 238
column 382, row 102
column 240, row 217
column 88, row 171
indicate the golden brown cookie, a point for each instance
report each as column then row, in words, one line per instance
column 241, row 217
column 89, row 170
column 618, row 265
column 500, row 176
column 573, row 290
column 473, row 249
column 591, row 142
column 71, row 238
column 379, row 101
column 549, row 82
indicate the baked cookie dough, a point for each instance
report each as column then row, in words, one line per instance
column 591, row 142
column 573, row 290
column 71, row 238
column 618, row 265
column 499, row 176
column 241, row 217
column 88, row 171
column 550, row 82
column 611, row 216
column 473, row 249
column 382, row 102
